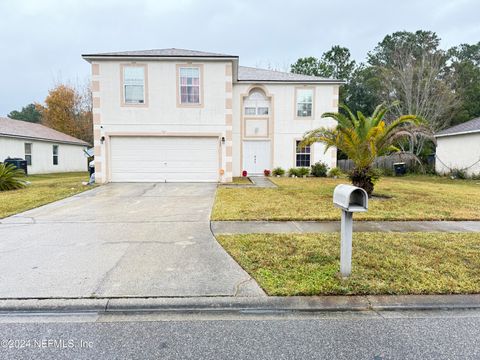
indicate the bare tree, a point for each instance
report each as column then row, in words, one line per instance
column 419, row 85
column 85, row 110
column 274, row 66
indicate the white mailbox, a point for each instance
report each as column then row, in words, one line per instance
column 350, row 199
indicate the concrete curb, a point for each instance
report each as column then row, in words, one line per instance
column 424, row 302
column 326, row 303
column 53, row 305
column 246, row 304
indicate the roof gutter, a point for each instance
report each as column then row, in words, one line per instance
column 44, row 139
column 326, row 81
column 92, row 57
column 458, row 133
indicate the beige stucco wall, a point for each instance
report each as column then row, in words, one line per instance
column 161, row 115
column 219, row 115
column 70, row 157
column 286, row 128
column 458, row 152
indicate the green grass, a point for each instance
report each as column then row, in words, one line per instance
column 412, row 198
column 42, row 190
column 383, row 263
column 241, row 180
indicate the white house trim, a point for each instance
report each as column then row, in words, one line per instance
column 224, row 85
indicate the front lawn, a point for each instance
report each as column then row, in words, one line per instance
column 241, row 180
column 383, row 263
column 42, row 190
column 412, row 198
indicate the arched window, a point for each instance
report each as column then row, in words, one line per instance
column 256, row 103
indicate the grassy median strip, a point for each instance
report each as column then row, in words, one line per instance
column 410, row 198
column 382, row 263
column 43, row 189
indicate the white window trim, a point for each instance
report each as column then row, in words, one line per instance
column 123, row 102
column 302, row 153
column 200, row 85
column 55, row 155
column 28, row 154
column 311, row 116
column 254, row 105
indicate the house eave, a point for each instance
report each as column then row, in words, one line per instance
column 233, row 59
column 326, row 81
column 13, row 136
column 458, row 133
column 93, row 57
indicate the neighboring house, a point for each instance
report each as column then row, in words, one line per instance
column 46, row 150
column 458, row 148
column 183, row 115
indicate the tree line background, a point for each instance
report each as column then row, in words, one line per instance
column 67, row 108
column 407, row 70
column 410, row 72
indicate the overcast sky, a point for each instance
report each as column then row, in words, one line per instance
column 41, row 40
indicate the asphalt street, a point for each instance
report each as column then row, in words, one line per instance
column 237, row 335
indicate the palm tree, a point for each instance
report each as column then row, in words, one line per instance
column 11, row 178
column 362, row 139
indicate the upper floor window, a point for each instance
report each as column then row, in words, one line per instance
column 28, row 153
column 257, row 103
column 189, row 85
column 304, row 102
column 134, row 84
column 55, row 154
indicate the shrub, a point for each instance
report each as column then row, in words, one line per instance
column 293, row 172
column 458, row 174
column 366, row 178
column 278, row 171
column 319, row 169
column 335, row 172
column 388, row 171
column 266, row 172
column 303, row 171
column 416, row 168
column 375, row 174
column 430, row 169
column 11, row 177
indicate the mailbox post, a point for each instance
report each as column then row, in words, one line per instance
column 350, row 199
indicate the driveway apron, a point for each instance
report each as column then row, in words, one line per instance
column 120, row 240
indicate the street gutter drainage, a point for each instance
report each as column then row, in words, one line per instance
column 244, row 304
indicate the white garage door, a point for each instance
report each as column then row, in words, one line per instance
column 160, row 159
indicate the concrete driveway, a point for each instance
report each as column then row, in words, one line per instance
column 120, row 240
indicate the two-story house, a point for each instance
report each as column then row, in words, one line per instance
column 182, row 115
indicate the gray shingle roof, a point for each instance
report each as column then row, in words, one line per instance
column 244, row 73
column 24, row 129
column 466, row 127
column 254, row 74
column 172, row 52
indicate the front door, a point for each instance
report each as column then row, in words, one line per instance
column 256, row 156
